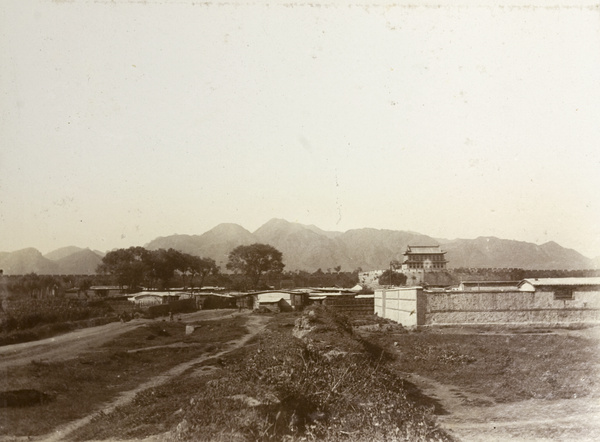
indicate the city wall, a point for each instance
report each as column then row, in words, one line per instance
column 413, row 306
column 350, row 305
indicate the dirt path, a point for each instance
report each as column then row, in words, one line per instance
column 255, row 325
column 477, row 418
column 64, row 346
column 71, row 344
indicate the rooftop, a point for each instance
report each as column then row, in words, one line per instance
column 536, row 282
column 423, row 249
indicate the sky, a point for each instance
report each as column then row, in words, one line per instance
column 122, row 121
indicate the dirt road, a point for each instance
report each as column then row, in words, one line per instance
column 254, row 325
column 70, row 345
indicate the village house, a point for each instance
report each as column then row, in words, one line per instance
column 206, row 300
column 562, row 288
column 106, row 291
column 149, row 298
column 340, row 299
column 274, row 300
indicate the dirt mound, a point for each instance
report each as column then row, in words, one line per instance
column 332, row 335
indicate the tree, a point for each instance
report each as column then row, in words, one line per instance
column 129, row 266
column 194, row 265
column 36, row 286
column 395, row 264
column 161, row 265
column 156, row 268
column 389, row 277
column 255, row 260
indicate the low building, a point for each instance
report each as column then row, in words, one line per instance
column 105, row 291
column 213, row 300
column 563, row 288
column 274, row 300
column 278, row 301
column 154, row 298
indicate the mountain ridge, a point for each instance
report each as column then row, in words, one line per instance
column 308, row 248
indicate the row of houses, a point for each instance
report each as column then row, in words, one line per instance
column 548, row 301
column 273, row 300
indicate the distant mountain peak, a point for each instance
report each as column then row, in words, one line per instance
column 307, row 247
column 57, row 254
column 225, row 229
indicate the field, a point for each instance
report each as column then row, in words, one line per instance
column 313, row 377
column 519, row 384
column 79, row 386
column 25, row 319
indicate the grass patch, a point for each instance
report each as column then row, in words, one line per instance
column 80, row 385
column 507, row 367
column 49, row 330
column 26, row 313
column 163, row 333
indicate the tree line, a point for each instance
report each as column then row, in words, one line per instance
column 155, row 269
column 158, row 269
column 252, row 267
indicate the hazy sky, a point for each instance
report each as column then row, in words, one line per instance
column 121, row 121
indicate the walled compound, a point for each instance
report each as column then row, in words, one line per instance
column 543, row 301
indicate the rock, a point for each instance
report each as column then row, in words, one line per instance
column 333, row 354
column 250, row 401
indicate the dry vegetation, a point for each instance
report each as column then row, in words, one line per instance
column 330, row 385
column 507, row 365
column 77, row 387
column 305, row 377
column 29, row 319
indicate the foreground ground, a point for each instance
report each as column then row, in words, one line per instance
column 505, row 384
column 68, row 345
column 236, row 378
column 286, row 377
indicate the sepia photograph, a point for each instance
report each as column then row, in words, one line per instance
column 298, row 221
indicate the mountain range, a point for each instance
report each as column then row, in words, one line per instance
column 307, row 247
column 64, row 261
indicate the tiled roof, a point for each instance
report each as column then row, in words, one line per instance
column 423, row 249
